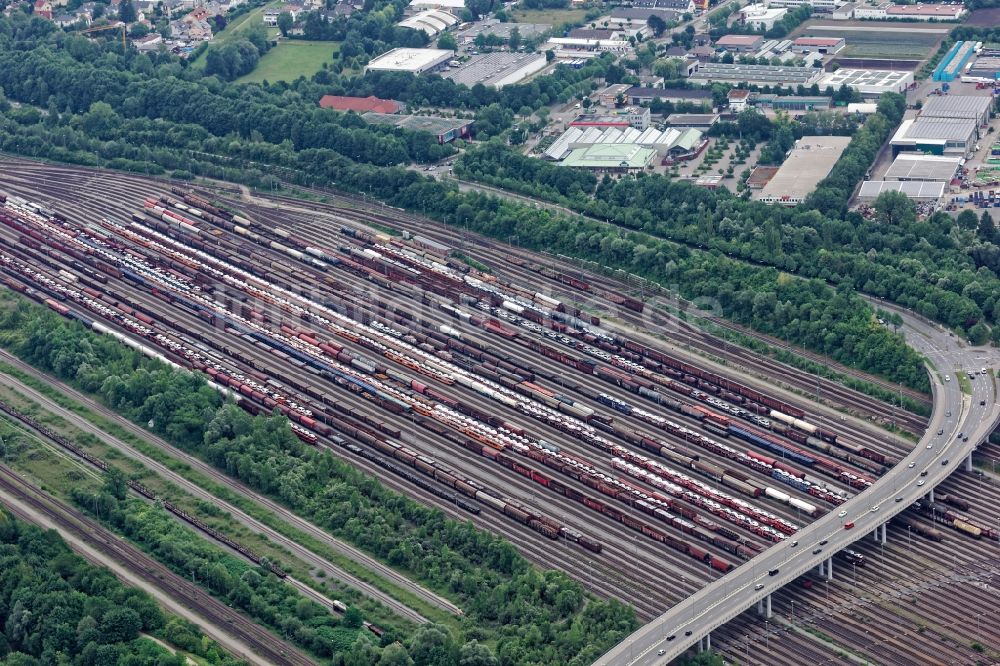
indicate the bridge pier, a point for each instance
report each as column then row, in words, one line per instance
column 968, row 463
column 884, row 539
column 931, row 495
column 829, row 568
column 764, row 608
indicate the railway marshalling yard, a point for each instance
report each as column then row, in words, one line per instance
column 594, row 429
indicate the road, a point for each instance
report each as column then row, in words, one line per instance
column 935, row 457
column 330, row 569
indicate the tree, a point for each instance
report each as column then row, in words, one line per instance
column 894, row 208
column 657, row 25
column 353, row 618
column 986, row 230
column 126, row 12
column 474, row 653
column 431, row 645
column 550, row 55
column 115, row 483
column 447, row 41
column 120, row 625
column 967, row 219
column 479, row 7
column 514, row 41
column 285, row 22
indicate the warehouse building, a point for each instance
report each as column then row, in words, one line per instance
column 633, row 116
column 920, row 167
column 761, row 17
column 810, row 161
column 937, row 136
column 699, row 120
column 415, row 61
column 920, row 191
column 359, row 104
column 958, row 106
column 431, row 21
column 786, row 76
column 819, row 44
column 868, row 82
column 672, row 142
column 637, row 95
column 445, row 129
column 739, row 43
column 825, row 6
column 985, row 67
column 611, row 158
column 496, row 70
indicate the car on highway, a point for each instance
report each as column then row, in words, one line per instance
column 687, row 633
column 849, row 526
column 920, row 482
column 944, row 462
column 671, row 637
column 948, row 413
column 912, row 465
column 842, row 514
column 660, row 653
column 930, row 446
column 758, row 586
column 817, row 551
column 899, row 499
column 772, row 572
column 965, row 439
column 823, row 542
column 947, row 378
column 875, row 508
column 941, row 431
column 923, row 473
column 794, row 544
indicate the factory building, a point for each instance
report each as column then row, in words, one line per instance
column 415, row 61
column 786, row 76
column 810, row 161
column 921, row 167
column 432, row 22
column 972, row 107
column 937, row 136
column 868, row 82
column 919, row 191
column 496, row 70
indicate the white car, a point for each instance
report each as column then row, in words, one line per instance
column 912, row 465
column 842, row 514
column 947, row 378
column 920, row 482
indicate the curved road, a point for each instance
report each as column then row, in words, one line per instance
column 934, row 458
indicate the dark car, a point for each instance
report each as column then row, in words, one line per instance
column 944, row 462
column 772, row 572
column 817, row 551
column 823, row 542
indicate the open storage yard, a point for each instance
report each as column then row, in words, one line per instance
column 906, row 41
column 602, row 452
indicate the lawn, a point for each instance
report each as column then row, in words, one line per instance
column 291, row 59
column 553, row 17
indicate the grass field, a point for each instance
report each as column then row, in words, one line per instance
column 291, row 59
column 553, row 17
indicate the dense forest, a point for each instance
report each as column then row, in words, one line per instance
column 55, row 608
column 531, row 616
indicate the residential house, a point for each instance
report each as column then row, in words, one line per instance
column 271, row 15
column 43, row 9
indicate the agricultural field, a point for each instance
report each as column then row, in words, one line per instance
column 291, row 59
column 984, row 18
column 891, row 41
column 553, row 17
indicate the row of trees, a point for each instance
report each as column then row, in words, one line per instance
column 530, row 616
column 55, row 608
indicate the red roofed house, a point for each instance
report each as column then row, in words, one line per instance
column 43, row 9
column 360, row 104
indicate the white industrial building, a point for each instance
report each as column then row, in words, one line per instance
column 921, row 167
column 669, row 141
column 916, row 190
column 817, row 5
column 431, row 21
column 761, row 17
column 584, row 44
column 496, row 70
column 868, row 82
column 938, row 136
column 415, row 61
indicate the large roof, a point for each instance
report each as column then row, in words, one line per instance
column 810, row 161
column 870, row 189
column 497, row 69
column 773, row 74
column 410, row 60
column 923, row 167
column 431, row 21
column 359, row 104
column 611, row 156
column 935, row 129
column 432, row 124
column 659, row 140
column 956, row 106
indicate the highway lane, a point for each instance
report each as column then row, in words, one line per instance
column 933, row 459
